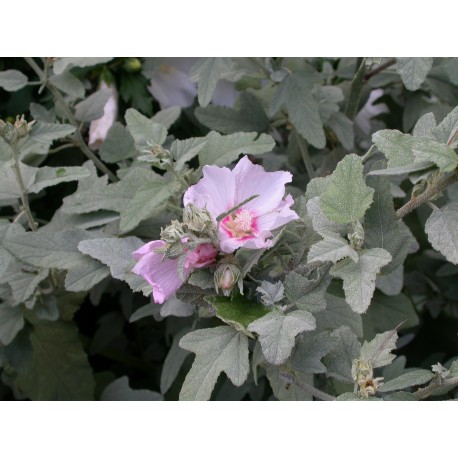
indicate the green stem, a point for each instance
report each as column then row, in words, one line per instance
column 79, row 140
column 430, row 192
column 356, row 88
column 20, row 181
column 305, row 155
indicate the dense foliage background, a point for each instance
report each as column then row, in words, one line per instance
column 71, row 326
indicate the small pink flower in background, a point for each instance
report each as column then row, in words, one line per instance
column 99, row 128
column 249, row 226
column 162, row 274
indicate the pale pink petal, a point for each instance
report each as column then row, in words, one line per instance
column 99, row 128
column 202, row 256
column 279, row 217
column 215, row 191
column 161, row 274
column 251, row 179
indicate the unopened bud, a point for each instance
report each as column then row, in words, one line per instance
column 173, row 232
column 133, row 65
column 8, row 131
column 197, row 219
column 226, row 276
column 357, row 237
column 363, row 375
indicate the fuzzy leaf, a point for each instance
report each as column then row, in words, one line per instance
column 118, row 145
column 416, row 377
column 310, row 348
column 149, row 199
column 223, row 149
column 414, row 70
column 295, row 94
column 167, row 116
column 144, row 131
column 92, row 107
column 12, row 80
column 220, row 349
column 271, row 292
column 46, row 133
column 206, row 73
column 447, row 131
column 185, row 150
column 443, row 156
column 339, row 361
column 59, row 369
column 382, row 227
column 359, row 277
column 249, row 118
column 378, row 350
column 116, row 253
column 284, row 389
column 343, row 128
column 387, row 312
column 396, row 146
column 277, row 332
column 320, row 222
column 69, row 84
column 62, row 63
column 119, row 390
column 50, row 176
column 347, row 197
column 11, row 322
column 332, row 248
column 442, row 230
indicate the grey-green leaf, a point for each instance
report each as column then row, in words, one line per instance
column 118, row 145
column 50, row 176
column 332, row 248
column 69, row 84
column 277, row 332
column 92, row 107
column 119, row 390
column 442, row 155
column 59, row 369
column 442, row 230
column 144, row 131
column 217, row 349
column 416, row 377
column 12, row 80
column 46, row 133
column 359, row 277
column 295, row 94
column 223, row 149
column 347, row 197
column 206, row 73
column 61, row 64
column 378, row 350
column 414, row 70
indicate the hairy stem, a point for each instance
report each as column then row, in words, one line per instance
column 436, row 386
column 379, row 69
column 24, row 195
column 305, row 155
column 430, row 192
column 356, row 88
column 79, row 140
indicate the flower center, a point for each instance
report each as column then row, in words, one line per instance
column 239, row 225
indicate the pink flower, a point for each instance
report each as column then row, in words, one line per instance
column 162, row 274
column 99, row 128
column 249, row 226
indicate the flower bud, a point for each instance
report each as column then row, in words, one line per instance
column 357, row 237
column 174, row 232
column 363, row 373
column 132, row 65
column 197, row 219
column 226, row 276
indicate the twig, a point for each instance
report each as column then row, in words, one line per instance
column 356, row 88
column 20, row 181
column 69, row 114
column 435, row 385
column 430, row 192
column 305, row 155
column 379, row 69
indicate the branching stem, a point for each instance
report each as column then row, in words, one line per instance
column 430, row 192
